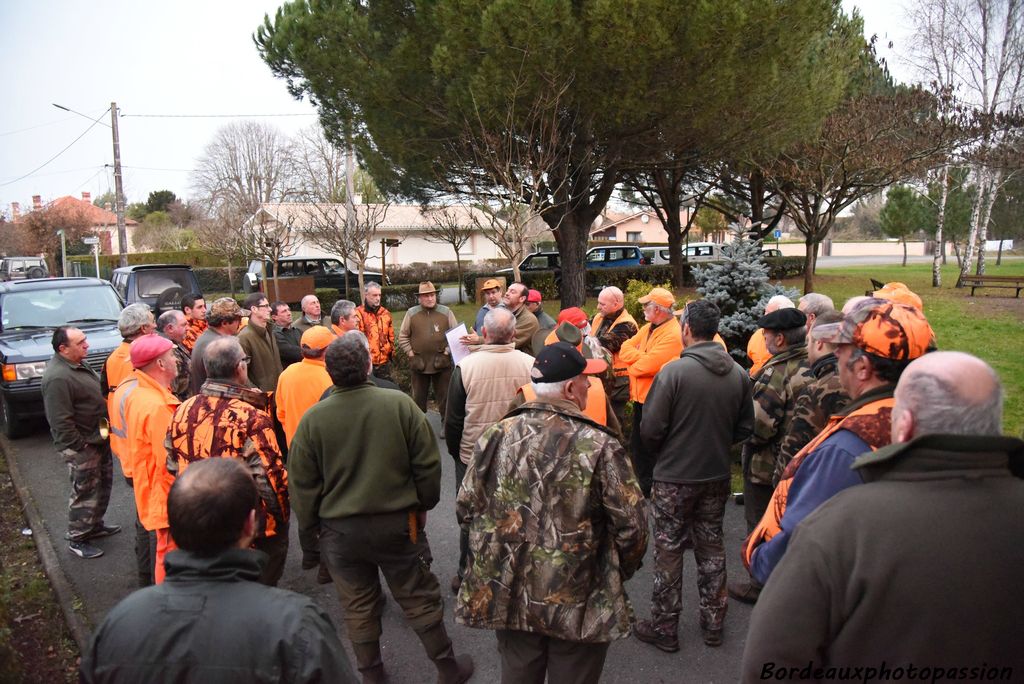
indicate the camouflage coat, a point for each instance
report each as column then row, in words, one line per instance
column 776, row 389
column 822, row 397
column 556, row 526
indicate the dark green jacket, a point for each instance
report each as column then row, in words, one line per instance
column 73, row 403
column 918, row 566
column 210, row 621
column 362, row 450
column 265, row 367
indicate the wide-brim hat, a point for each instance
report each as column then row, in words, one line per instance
column 426, row 287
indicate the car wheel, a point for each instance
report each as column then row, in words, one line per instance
column 10, row 425
column 36, row 272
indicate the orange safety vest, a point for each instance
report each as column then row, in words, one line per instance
column 597, row 400
column 771, row 521
column 116, row 401
column 619, row 369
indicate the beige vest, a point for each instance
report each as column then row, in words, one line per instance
column 491, row 376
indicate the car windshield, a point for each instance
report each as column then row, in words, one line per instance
column 57, row 306
column 153, row 283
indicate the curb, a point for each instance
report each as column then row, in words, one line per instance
column 66, row 597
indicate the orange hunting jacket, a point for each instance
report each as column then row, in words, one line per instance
column 148, row 410
column 646, row 352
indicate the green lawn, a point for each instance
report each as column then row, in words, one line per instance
column 989, row 325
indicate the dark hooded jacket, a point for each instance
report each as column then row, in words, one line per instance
column 697, row 408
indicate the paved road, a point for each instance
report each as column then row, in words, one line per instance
column 104, row 581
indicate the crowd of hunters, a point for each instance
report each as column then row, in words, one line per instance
column 878, row 488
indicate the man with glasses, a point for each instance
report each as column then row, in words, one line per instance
column 257, row 339
column 229, row 418
column 224, row 319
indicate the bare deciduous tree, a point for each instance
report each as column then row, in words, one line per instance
column 449, row 225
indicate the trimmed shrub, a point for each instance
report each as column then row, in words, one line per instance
column 327, row 296
column 402, row 297
column 216, row 279
column 636, row 289
column 191, row 257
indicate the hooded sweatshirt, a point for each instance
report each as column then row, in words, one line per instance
column 698, row 407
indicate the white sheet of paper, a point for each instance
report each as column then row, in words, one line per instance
column 459, row 350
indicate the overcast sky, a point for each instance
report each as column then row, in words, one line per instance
column 163, row 63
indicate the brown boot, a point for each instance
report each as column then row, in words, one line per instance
column 369, row 662
column 451, row 669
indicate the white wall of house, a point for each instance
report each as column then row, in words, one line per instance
column 414, row 248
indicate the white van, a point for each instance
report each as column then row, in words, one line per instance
column 694, row 252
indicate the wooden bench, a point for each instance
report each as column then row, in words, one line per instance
column 1009, row 282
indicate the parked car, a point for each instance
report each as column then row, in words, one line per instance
column 596, row 257
column 22, row 267
column 160, row 286
column 771, row 253
column 694, row 252
column 326, row 273
column 29, row 312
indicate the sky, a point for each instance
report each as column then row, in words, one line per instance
column 169, row 66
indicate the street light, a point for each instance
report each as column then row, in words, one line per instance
column 122, row 234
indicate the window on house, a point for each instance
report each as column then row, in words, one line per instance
column 632, row 236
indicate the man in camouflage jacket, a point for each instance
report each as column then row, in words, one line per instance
column 556, row 526
column 821, row 398
column 776, row 388
column 229, row 418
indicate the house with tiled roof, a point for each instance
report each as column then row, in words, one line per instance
column 404, row 223
column 636, row 227
column 102, row 219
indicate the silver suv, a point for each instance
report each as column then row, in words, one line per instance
column 22, row 267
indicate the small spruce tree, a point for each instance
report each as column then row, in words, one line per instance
column 739, row 286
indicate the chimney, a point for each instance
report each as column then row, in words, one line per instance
column 15, row 211
column 37, row 202
column 87, row 196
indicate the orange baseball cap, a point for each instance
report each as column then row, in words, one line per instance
column 490, row 284
column 659, row 296
column 881, row 327
column 317, row 337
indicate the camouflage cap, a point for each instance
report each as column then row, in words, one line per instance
column 883, row 328
column 226, row 307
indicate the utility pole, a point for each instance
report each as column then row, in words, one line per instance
column 122, row 234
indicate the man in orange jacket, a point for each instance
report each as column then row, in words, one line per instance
column 302, row 384
column 658, row 342
column 376, row 323
column 148, row 410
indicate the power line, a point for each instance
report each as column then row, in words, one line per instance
column 44, row 164
column 210, row 116
column 151, row 168
column 32, row 128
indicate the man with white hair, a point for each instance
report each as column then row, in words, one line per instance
column 482, row 386
column 933, row 536
column 813, row 304
column 311, row 314
column 549, row 490
column 757, row 348
column 612, row 326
